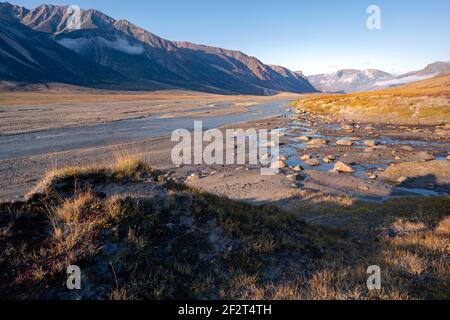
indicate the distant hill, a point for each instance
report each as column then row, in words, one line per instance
column 348, row 81
column 424, row 102
column 140, row 57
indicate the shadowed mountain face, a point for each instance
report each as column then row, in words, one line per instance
column 148, row 60
column 27, row 55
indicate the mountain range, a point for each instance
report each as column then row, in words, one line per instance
column 350, row 80
column 46, row 45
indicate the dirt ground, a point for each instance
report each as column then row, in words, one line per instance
column 374, row 177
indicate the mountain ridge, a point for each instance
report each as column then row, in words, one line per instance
column 353, row 80
column 140, row 55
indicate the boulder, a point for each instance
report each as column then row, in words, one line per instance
column 344, row 142
column 343, row 167
column 304, row 138
column 305, row 157
column 312, row 162
column 401, row 180
column 280, row 164
column 370, row 143
column 317, row 142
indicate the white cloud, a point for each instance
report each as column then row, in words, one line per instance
column 405, row 80
column 118, row 44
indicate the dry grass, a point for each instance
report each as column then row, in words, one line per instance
column 422, row 103
column 181, row 244
column 438, row 169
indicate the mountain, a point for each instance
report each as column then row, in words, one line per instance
column 26, row 55
column 348, row 80
column 428, row 72
column 144, row 58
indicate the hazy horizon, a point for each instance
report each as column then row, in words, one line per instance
column 310, row 36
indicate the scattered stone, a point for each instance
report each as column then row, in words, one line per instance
column 401, row 180
column 298, row 169
column 331, row 157
column 373, row 177
column 280, row 164
column 269, row 145
column 305, row 157
column 398, row 158
column 347, row 127
column 370, row 143
column 327, row 160
column 425, row 156
column 448, row 158
column 344, row 142
column 343, row 167
column 317, row 142
column 312, row 162
column 193, row 177
column 304, row 138
column 407, row 148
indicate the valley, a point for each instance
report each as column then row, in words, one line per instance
column 294, row 188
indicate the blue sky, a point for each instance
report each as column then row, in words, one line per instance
column 314, row 36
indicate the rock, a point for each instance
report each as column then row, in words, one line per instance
column 398, row 158
column 304, row 138
column 312, row 162
column 448, row 158
column 298, row 169
column 401, row 180
column 343, row 167
column 305, row 157
column 193, row 177
column 344, row 142
column 317, row 142
column 327, row 160
column 331, row 157
column 425, row 156
column 282, row 158
column 407, row 148
column 370, row 143
column 269, row 145
column 347, row 127
column 280, row 164
column 373, row 177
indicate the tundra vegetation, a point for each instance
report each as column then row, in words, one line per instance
column 137, row 234
column 421, row 103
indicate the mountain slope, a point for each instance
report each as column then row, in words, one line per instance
column 348, row 80
column 27, row 55
column 142, row 56
column 424, row 102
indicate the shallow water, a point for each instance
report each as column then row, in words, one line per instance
column 57, row 140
